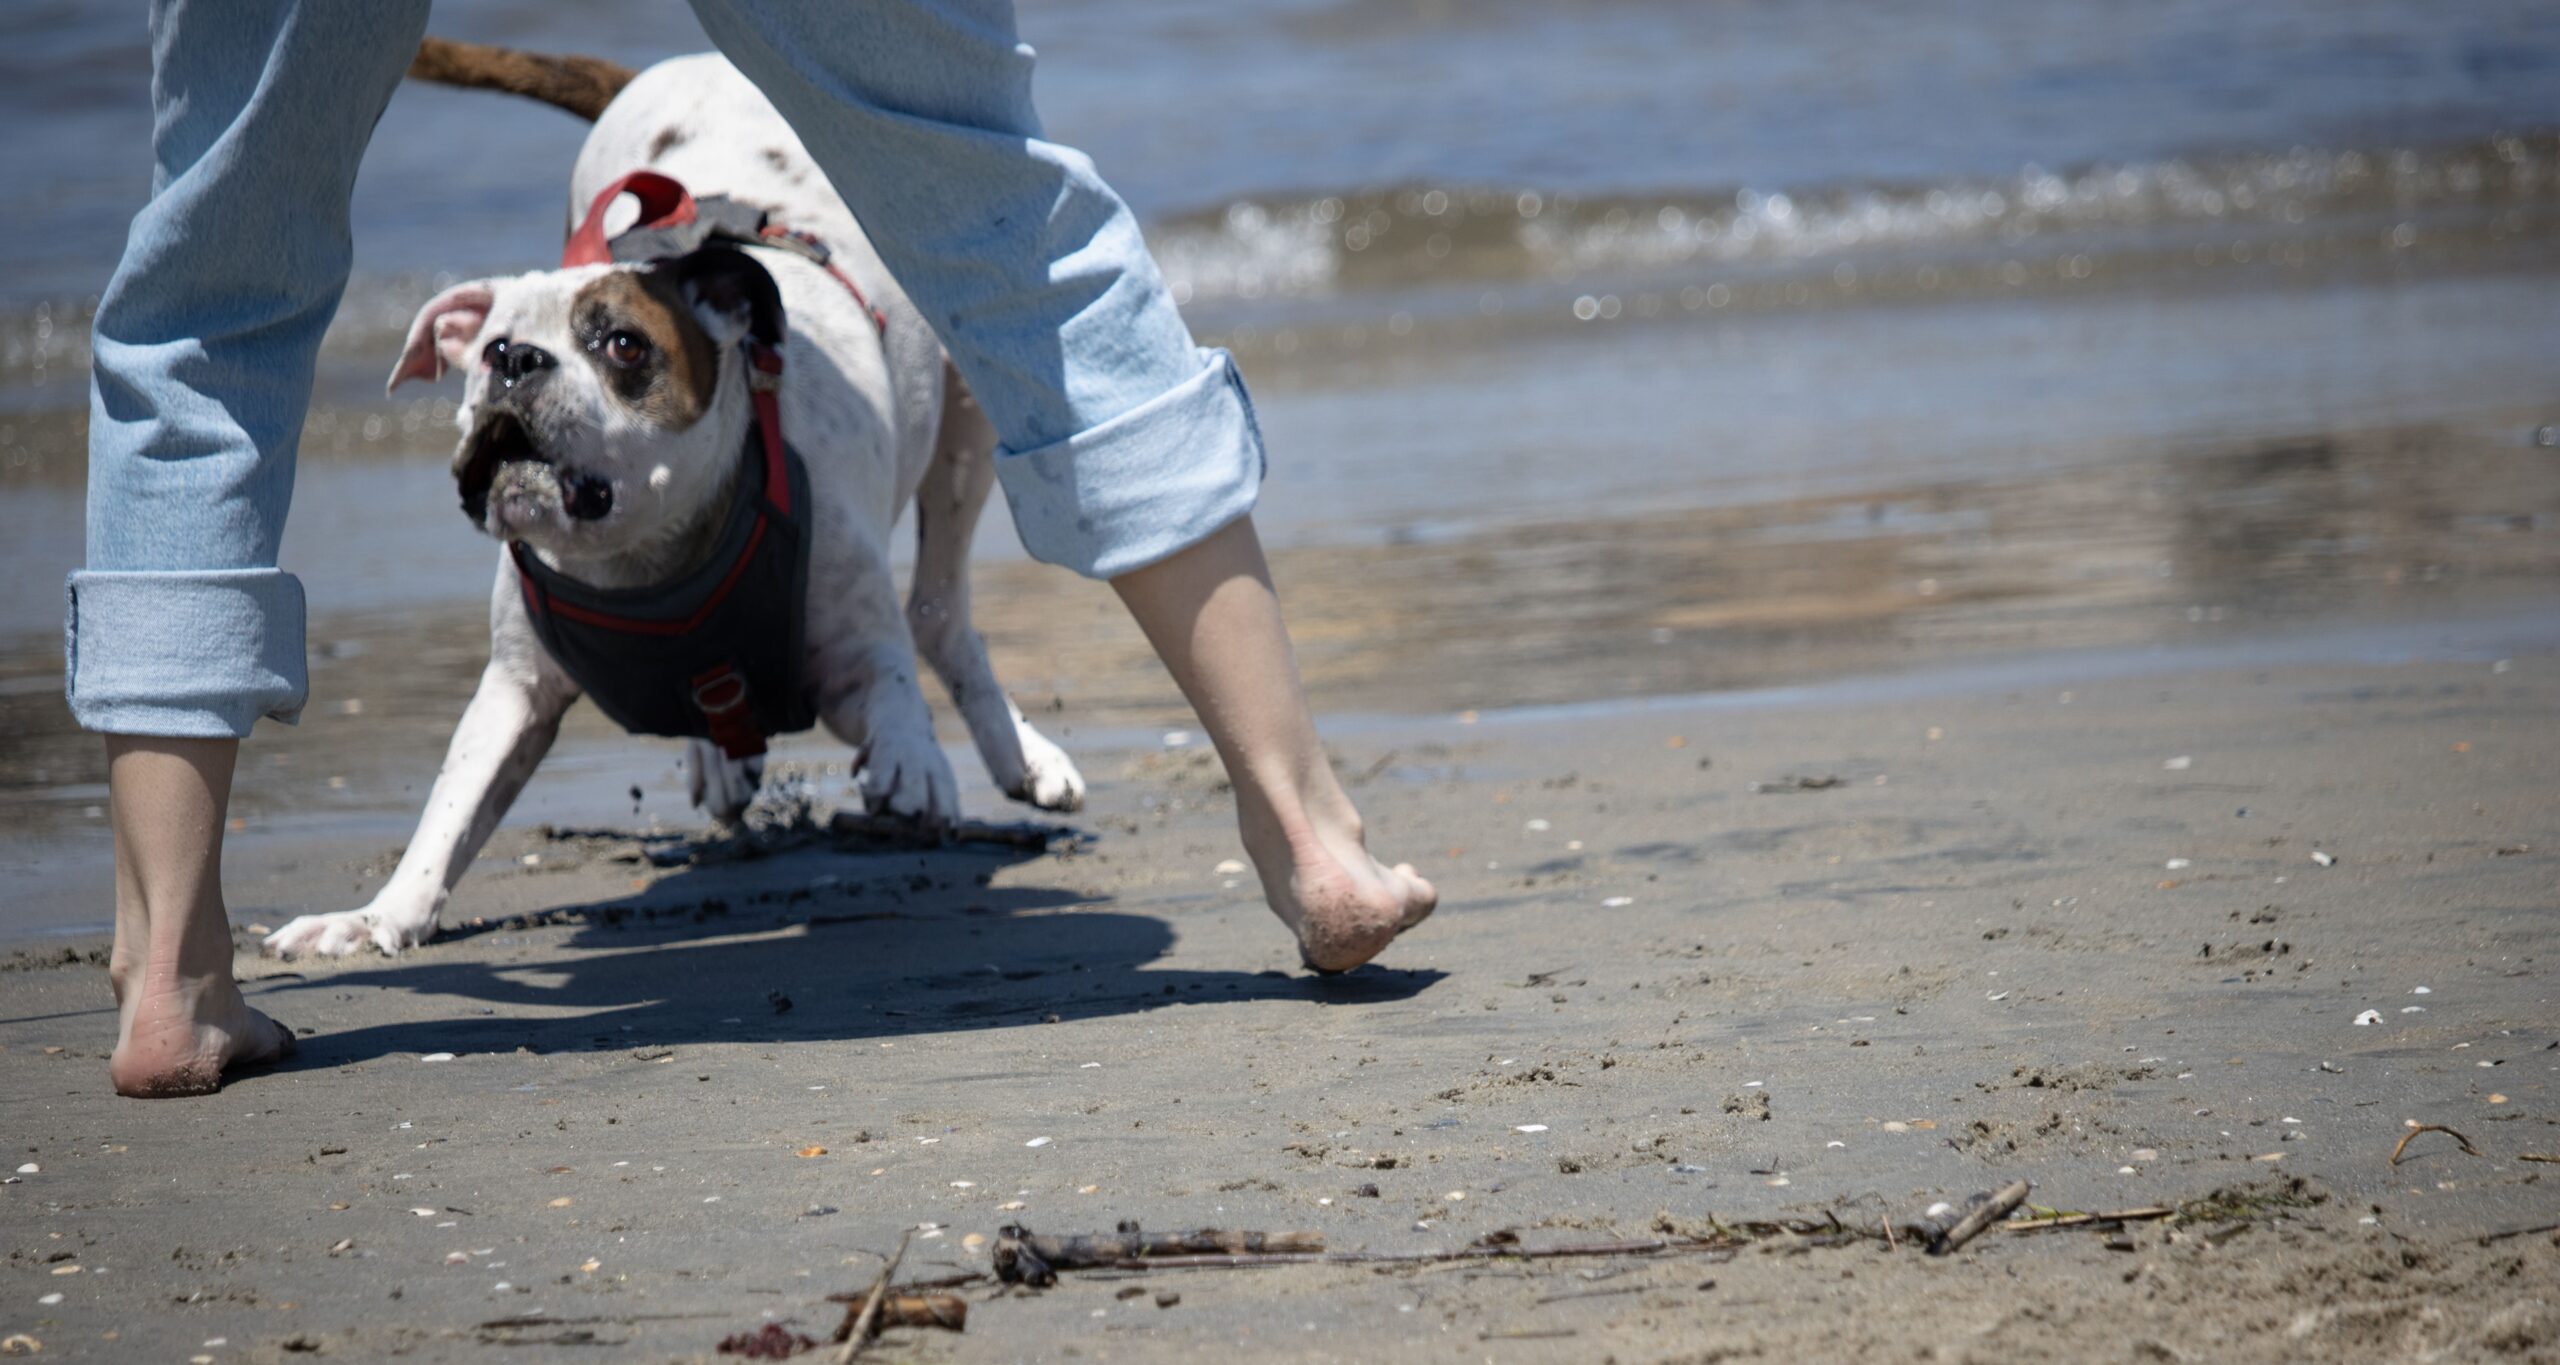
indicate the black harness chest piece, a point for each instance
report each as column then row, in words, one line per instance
column 718, row 654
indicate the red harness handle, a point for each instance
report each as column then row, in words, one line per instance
column 663, row 204
column 666, row 203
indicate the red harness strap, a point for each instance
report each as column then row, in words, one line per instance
column 663, row 204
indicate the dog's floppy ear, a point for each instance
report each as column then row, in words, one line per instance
column 441, row 336
column 731, row 293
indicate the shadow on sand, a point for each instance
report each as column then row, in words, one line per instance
column 805, row 944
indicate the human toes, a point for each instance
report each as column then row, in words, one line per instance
column 1342, row 924
column 257, row 1039
column 1420, row 896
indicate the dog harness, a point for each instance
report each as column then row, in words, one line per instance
column 718, row 653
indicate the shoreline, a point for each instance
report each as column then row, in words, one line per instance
column 605, row 759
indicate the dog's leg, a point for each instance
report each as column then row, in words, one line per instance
column 1024, row 764
column 869, row 698
column 719, row 784
column 503, row 736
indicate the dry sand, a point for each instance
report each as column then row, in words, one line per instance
column 1671, row 984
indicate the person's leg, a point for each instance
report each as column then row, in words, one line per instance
column 1129, row 453
column 1213, row 617
column 181, row 631
column 181, row 1021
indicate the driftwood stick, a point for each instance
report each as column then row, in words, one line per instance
column 885, row 829
column 2417, row 1128
column 863, row 1325
column 949, row 1312
column 1991, row 1210
column 1025, row 1257
column 2537, row 1156
column 1022, row 1258
column 1112, row 1248
column 2076, row 1220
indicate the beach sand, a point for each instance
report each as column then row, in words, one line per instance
column 1843, row 953
column 1865, row 555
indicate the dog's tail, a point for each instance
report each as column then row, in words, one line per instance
column 581, row 85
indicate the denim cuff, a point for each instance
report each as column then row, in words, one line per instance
column 183, row 654
column 1153, row 480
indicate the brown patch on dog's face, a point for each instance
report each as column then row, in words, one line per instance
column 646, row 344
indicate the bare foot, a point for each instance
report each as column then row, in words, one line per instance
column 1343, row 904
column 180, row 1037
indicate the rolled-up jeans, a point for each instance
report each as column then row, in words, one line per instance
column 1123, row 441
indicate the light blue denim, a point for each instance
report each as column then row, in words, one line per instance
column 1123, row 440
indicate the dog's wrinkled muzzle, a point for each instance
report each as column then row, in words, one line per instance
column 501, row 438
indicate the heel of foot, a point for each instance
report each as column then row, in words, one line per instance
column 195, row 1076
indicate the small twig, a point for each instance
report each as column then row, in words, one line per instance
column 1587, row 1294
column 2417, row 1128
column 858, row 1332
column 1526, row 1334
column 1890, row 1244
column 2537, row 1156
column 1470, row 1254
column 2075, row 1220
column 2519, row 1232
column 1998, row 1206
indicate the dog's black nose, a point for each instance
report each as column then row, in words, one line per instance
column 586, row 497
column 513, row 360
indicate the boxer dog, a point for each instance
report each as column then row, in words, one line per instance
column 618, row 436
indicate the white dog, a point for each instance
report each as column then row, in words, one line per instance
column 612, row 439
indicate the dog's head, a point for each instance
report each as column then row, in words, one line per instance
column 604, row 404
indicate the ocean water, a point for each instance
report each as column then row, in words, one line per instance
column 1193, row 110
column 1620, row 253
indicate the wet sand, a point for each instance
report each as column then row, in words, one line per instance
column 2240, row 543
column 2052, row 931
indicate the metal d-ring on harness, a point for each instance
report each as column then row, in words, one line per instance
column 716, row 654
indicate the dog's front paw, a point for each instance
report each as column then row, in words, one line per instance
column 722, row 786
column 1049, row 778
column 904, row 774
column 344, row 933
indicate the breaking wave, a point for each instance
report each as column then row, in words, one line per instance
column 1353, row 241
column 1404, row 235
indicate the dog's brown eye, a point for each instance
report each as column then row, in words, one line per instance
column 625, row 350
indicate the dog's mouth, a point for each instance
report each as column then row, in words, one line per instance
column 502, row 447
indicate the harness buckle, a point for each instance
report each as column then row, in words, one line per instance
column 721, row 696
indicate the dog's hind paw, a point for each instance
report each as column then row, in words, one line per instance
column 342, row 933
